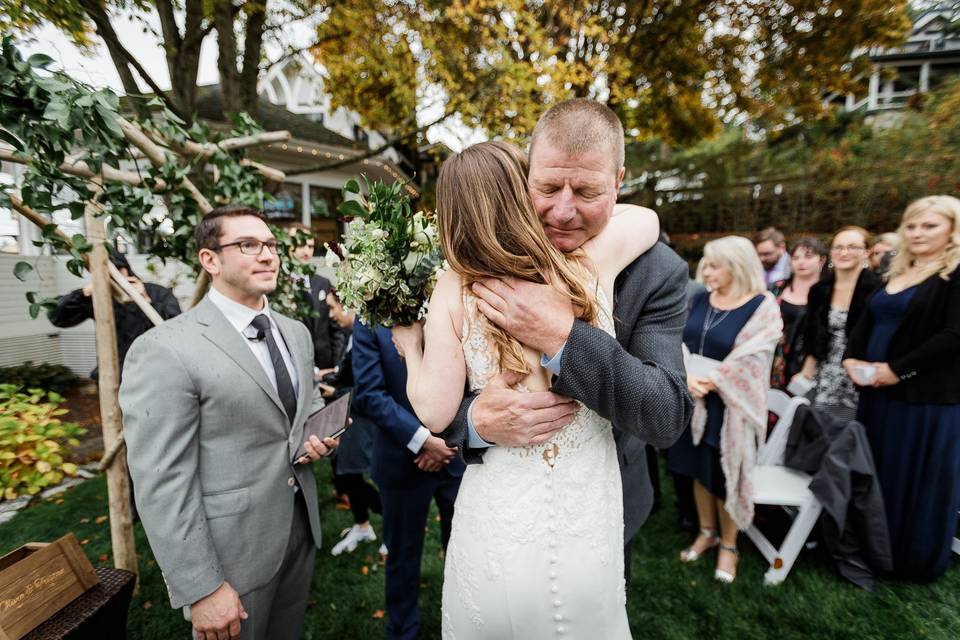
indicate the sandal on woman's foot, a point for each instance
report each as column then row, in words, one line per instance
column 690, row 554
column 725, row 576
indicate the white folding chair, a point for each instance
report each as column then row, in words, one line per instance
column 775, row 484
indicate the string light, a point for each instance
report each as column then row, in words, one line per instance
column 393, row 173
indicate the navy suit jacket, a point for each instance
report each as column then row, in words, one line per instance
column 380, row 393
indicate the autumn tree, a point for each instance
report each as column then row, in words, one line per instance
column 672, row 70
column 242, row 28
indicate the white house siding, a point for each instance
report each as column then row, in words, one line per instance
column 23, row 338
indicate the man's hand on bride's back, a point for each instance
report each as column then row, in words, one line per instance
column 507, row 417
column 535, row 314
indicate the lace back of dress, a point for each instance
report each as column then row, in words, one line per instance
column 479, row 353
column 478, row 350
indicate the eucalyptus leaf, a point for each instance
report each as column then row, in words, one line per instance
column 39, row 60
column 21, row 270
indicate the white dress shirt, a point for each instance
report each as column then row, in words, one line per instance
column 240, row 316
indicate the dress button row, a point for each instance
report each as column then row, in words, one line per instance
column 291, row 482
column 560, row 631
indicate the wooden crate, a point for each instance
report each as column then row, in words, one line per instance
column 37, row 580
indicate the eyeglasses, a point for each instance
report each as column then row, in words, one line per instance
column 839, row 248
column 252, row 247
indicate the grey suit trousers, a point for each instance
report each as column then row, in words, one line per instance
column 276, row 610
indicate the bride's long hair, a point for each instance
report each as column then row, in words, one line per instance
column 489, row 229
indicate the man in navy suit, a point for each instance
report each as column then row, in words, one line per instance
column 411, row 467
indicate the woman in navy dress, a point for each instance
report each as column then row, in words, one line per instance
column 736, row 289
column 910, row 401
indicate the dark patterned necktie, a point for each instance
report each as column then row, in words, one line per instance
column 284, row 387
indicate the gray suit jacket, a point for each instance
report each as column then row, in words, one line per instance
column 636, row 380
column 209, row 447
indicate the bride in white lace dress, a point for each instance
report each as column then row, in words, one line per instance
column 536, row 548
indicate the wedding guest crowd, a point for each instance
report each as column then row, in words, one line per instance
column 871, row 332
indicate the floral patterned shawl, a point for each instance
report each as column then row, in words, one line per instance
column 742, row 381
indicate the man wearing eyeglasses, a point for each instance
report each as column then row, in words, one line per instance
column 214, row 403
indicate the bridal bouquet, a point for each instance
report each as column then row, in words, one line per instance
column 388, row 263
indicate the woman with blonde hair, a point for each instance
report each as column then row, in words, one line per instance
column 731, row 332
column 905, row 355
column 537, row 539
column 834, row 305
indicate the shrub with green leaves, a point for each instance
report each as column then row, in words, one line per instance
column 34, row 441
column 28, row 375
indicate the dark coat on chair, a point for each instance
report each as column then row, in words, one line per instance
column 837, row 454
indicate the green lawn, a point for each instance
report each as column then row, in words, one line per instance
column 667, row 599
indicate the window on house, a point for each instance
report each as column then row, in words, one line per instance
column 324, row 219
column 285, row 204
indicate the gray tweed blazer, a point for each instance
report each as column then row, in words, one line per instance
column 636, row 380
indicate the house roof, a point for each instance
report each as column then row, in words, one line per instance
column 273, row 118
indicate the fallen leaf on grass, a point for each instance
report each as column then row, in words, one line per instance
column 103, row 558
column 85, row 541
column 150, row 563
column 378, row 614
column 147, row 604
column 84, row 520
column 100, row 520
column 60, row 501
column 365, row 570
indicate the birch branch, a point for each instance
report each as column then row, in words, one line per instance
column 81, row 169
column 156, row 155
column 119, row 283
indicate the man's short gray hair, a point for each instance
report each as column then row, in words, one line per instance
column 580, row 125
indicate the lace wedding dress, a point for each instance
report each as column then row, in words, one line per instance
column 536, row 549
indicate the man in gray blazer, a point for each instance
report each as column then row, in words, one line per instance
column 636, row 380
column 214, row 403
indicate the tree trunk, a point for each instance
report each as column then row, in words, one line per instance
column 227, row 56
column 105, row 29
column 252, row 44
column 118, row 484
column 183, row 50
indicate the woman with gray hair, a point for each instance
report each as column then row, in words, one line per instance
column 731, row 333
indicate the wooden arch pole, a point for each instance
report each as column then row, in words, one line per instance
column 118, row 483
